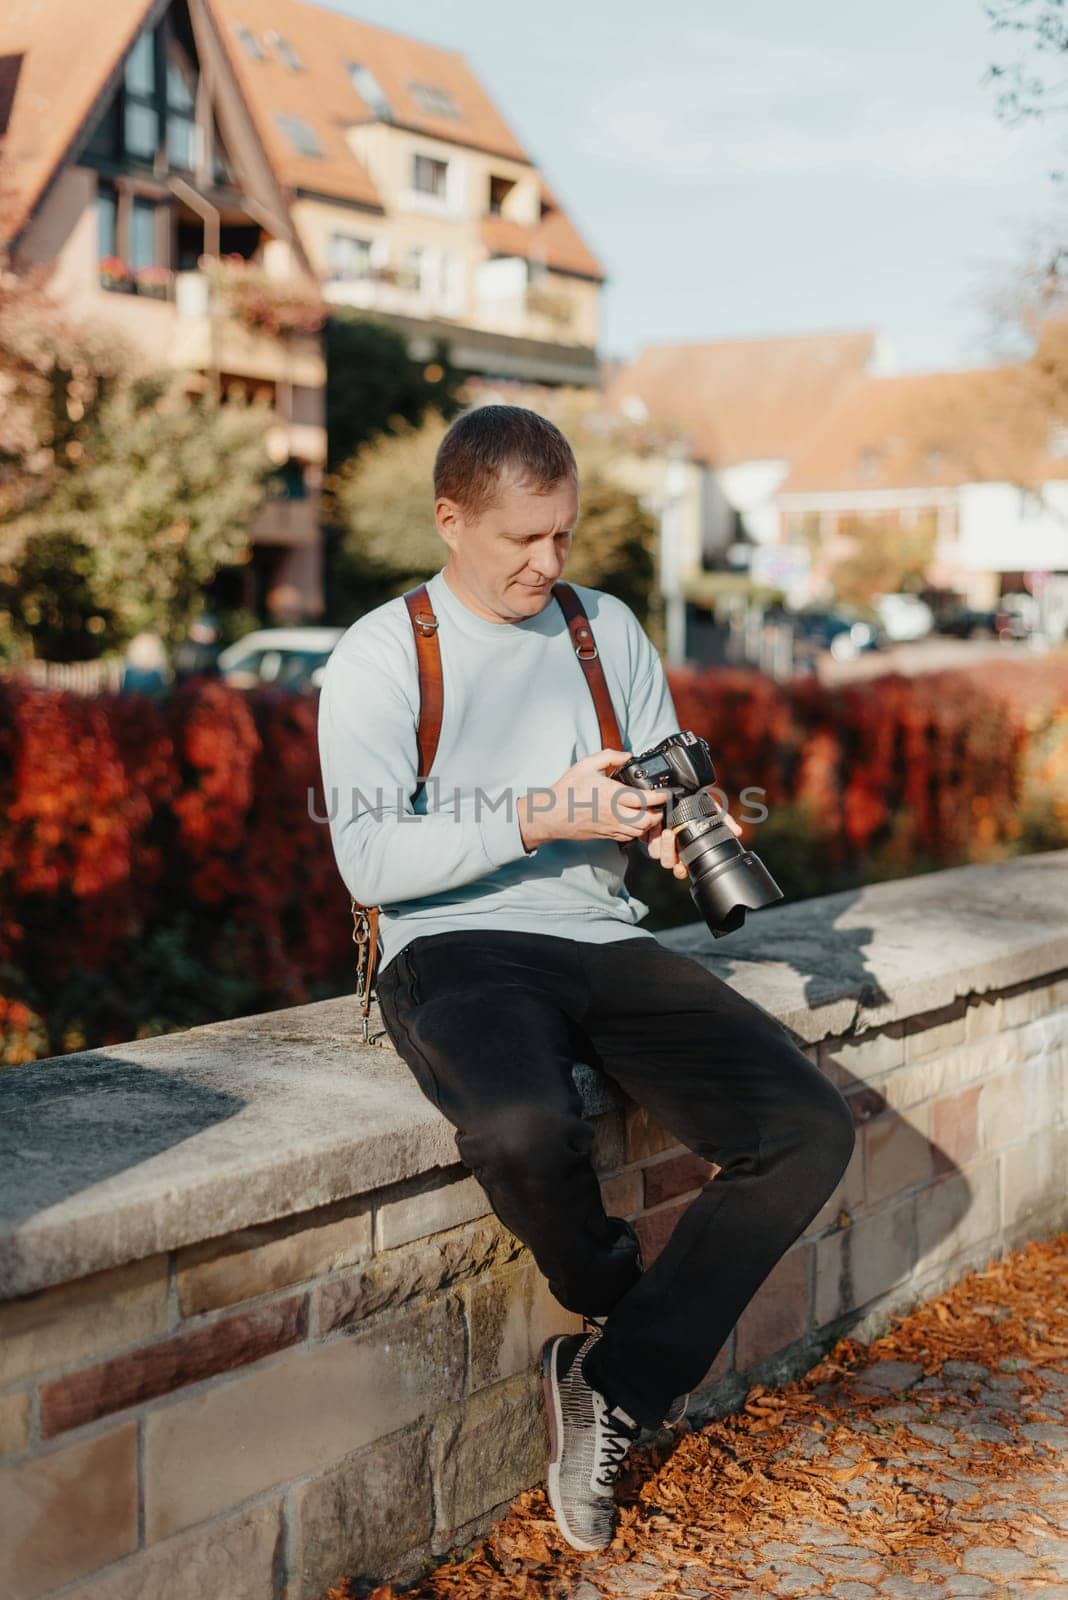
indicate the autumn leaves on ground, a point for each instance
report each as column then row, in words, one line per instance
column 928, row 1464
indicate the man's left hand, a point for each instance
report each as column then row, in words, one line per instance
column 660, row 842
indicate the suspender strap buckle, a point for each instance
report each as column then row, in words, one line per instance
column 585, row 648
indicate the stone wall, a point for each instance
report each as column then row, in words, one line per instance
column 261, row 1328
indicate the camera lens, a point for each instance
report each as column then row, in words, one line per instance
column 725, row 880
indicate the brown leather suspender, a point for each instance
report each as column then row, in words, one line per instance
column 431, row 707
column 586, row 650
column 431, row 680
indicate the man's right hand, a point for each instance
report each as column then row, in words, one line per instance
column 598, row 807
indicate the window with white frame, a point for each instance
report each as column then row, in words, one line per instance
column 430, row 176
column 415, row 269
column 348, row 256
column 454, row 284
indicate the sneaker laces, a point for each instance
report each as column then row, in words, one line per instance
column 678, row 1407
column 616, row 1435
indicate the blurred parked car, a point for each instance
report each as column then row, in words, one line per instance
column 904, row 617
column 291, row 657
column 966, row 622
column 841, row 632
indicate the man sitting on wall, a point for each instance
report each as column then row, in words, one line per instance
column 511, row 948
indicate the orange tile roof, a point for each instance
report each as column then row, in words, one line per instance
column 323, row 95
column 554, row 240
column 744, row 399
column 561, row 241
column 63, row 71
column 929, row 430
column 326, row 41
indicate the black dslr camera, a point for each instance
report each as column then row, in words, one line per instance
column 725, row 880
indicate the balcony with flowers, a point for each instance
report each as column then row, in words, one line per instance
column 153, row 282
column 262, row 303
column 235, row 317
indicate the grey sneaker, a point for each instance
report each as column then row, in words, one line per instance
column 677, row 1409
column 588, row 1440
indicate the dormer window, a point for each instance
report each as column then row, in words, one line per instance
column 434, row 101
column 300, row 134
column 284, row 51
column 370, row 90
column 249, row 43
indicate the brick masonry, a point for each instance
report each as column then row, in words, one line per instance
column 349, row 1389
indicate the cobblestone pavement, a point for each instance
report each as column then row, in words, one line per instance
column 927, row 1466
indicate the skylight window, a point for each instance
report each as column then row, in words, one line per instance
column 434, row 101
column 300, row 134
column 250, row 44
column 284, row 51
column 370, row 90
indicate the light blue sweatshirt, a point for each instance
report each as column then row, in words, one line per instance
column 517, row 714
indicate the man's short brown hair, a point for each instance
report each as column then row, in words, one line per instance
column 484, row 444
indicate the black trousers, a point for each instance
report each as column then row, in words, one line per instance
column 490, row 1024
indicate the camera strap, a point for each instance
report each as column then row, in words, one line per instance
column 586, row 649
column 431, row 707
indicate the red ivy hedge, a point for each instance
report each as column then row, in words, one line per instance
column 121, row 818
column 158, row 865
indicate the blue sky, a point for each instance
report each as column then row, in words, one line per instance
column 784, row 169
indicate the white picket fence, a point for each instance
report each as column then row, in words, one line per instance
column 82, row 677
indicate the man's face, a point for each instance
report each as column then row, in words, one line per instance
column 508, row 558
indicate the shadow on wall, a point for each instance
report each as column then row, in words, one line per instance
column 67, row 1125
column 805, row 937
